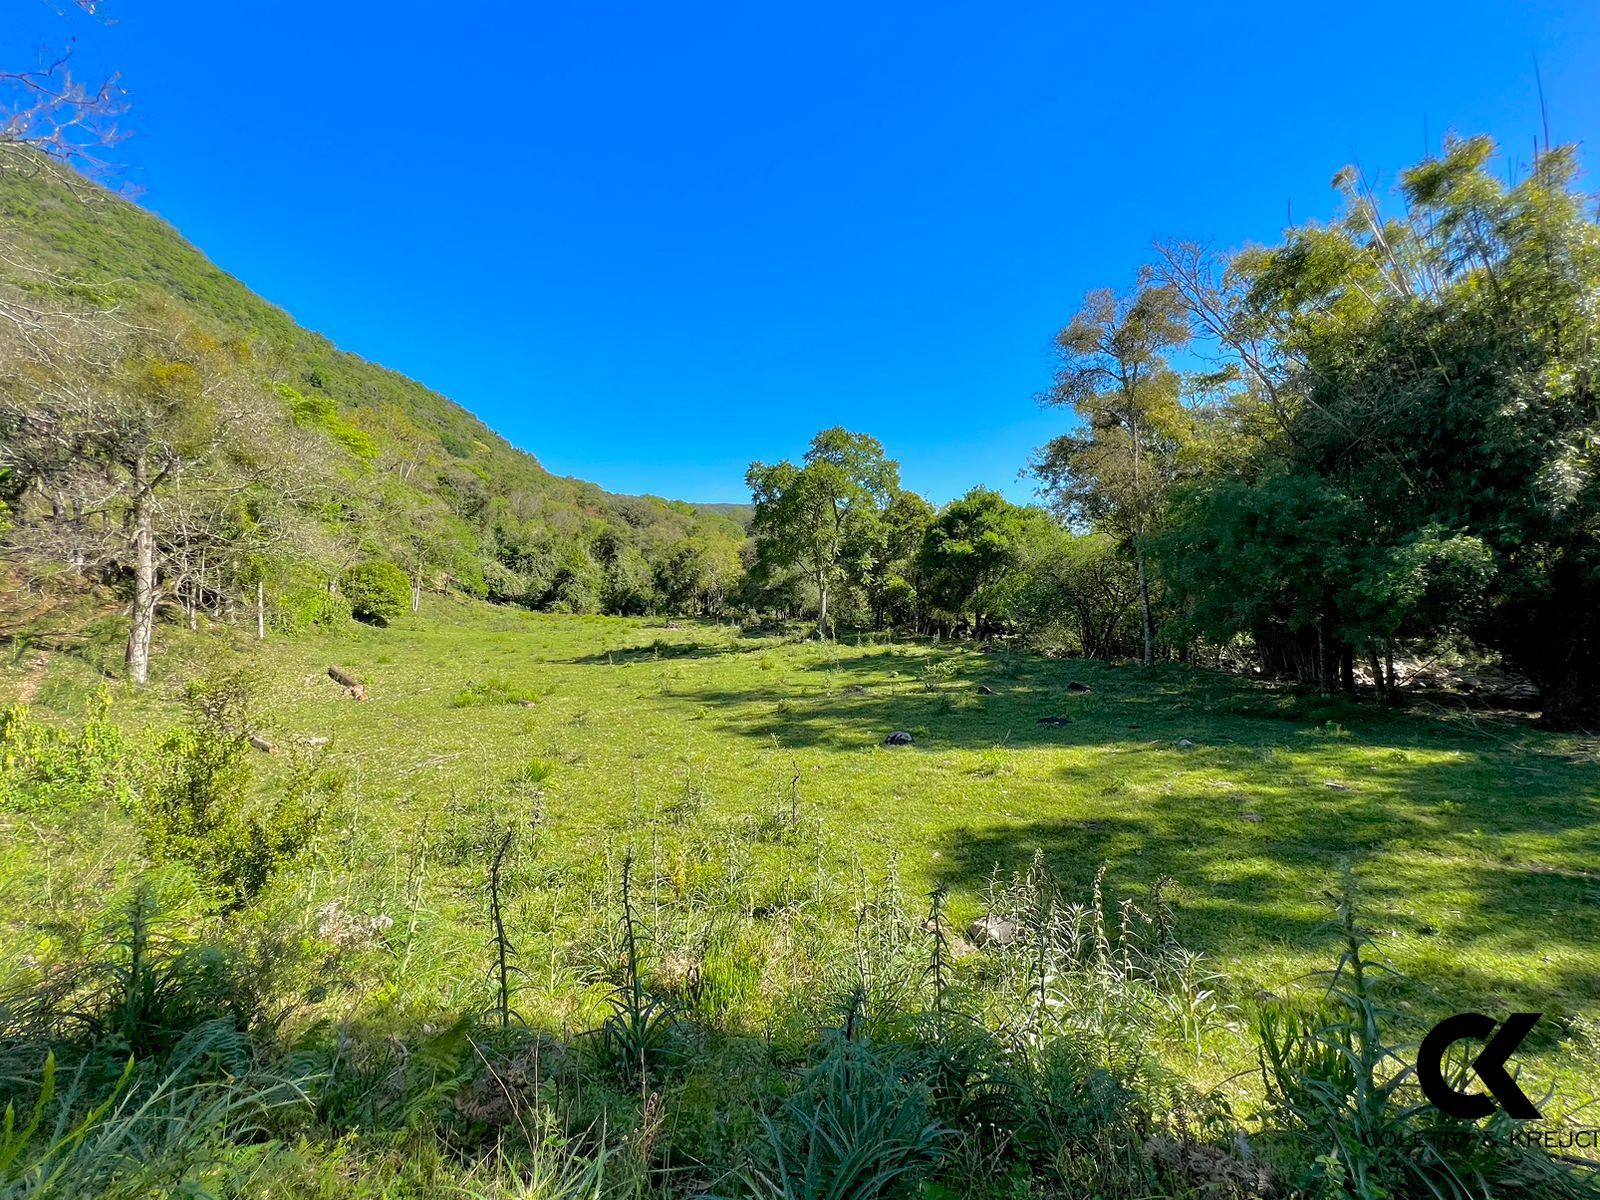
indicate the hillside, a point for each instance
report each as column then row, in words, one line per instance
column 511, row 530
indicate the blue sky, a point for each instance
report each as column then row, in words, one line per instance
column 651, row 243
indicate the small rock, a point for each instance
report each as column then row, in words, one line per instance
column 898, row 738
column 1185, row 744
column 985, row 690
column 1253, row 818
column 1336, row 785
column 524, row 703
column 1054, row 721
column 855, row 689
column 992, row 931
column 317, row 743
column 1077, row 686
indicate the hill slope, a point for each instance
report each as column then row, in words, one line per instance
column 514, row 530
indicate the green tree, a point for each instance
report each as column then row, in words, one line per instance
column 805, row 515
column 1437, row 373
column 377, row 591
column 1116, row 471
column 969, row 549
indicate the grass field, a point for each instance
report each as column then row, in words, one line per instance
column 748, row 777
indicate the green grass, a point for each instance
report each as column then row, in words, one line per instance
column 1476, row 844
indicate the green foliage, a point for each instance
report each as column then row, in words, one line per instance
column 1411, row 457
column 491, row 691
column 195, row 804
column 377, row 591
column 969, row 549
column 49, row 767
column 855, row 1129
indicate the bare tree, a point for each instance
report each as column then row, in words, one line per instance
column 127, row 451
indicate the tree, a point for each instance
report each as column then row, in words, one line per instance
column 886, row 562
column 1079, row 591
column 1436, row 373
column 969, row 548
column 805, row 514
column 1115, row 473
column 131, row 449
column 377, row 591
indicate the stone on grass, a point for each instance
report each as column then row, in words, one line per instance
column 898, row 738
column 985, row 690
column 1076, row 686
column 1185, row 744
column 992, row 931
column 1054, row 721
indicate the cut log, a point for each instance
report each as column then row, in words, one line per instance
column 262, row 744
column 343, row 678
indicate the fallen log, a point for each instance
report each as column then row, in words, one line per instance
column 343, row 678
column 262, row 744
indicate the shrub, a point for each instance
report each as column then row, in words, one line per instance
column 42, row 767
column 311, row 607
column 856, row 1127
column 376, row 591
column 194, row 803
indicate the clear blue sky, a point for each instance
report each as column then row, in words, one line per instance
column 650, row 243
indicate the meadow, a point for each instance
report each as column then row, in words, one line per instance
column 741, row 778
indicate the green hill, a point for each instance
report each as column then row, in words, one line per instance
column 499, row 524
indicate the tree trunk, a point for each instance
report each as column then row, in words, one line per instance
column 1144, row 610
column 416, row 591
column 1376, row 668
column 822, row 606
column 261, row 611
column 144, row 579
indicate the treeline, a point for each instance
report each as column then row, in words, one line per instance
column 1373, row 441
column 1370, row 444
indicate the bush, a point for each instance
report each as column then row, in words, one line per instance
column 42, row 767
column 376, row 591
column 194, row 804
column 311, row 607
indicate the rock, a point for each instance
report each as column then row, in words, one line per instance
column 898, row 738
column 1076, row 686
column 985, row 690
column 317, row 743
column 855, row 689
column 524, row 703
column 1336, row 785
column 1253, row 818
column 992, row 931
column 1054, row 721
column 1185, row 744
